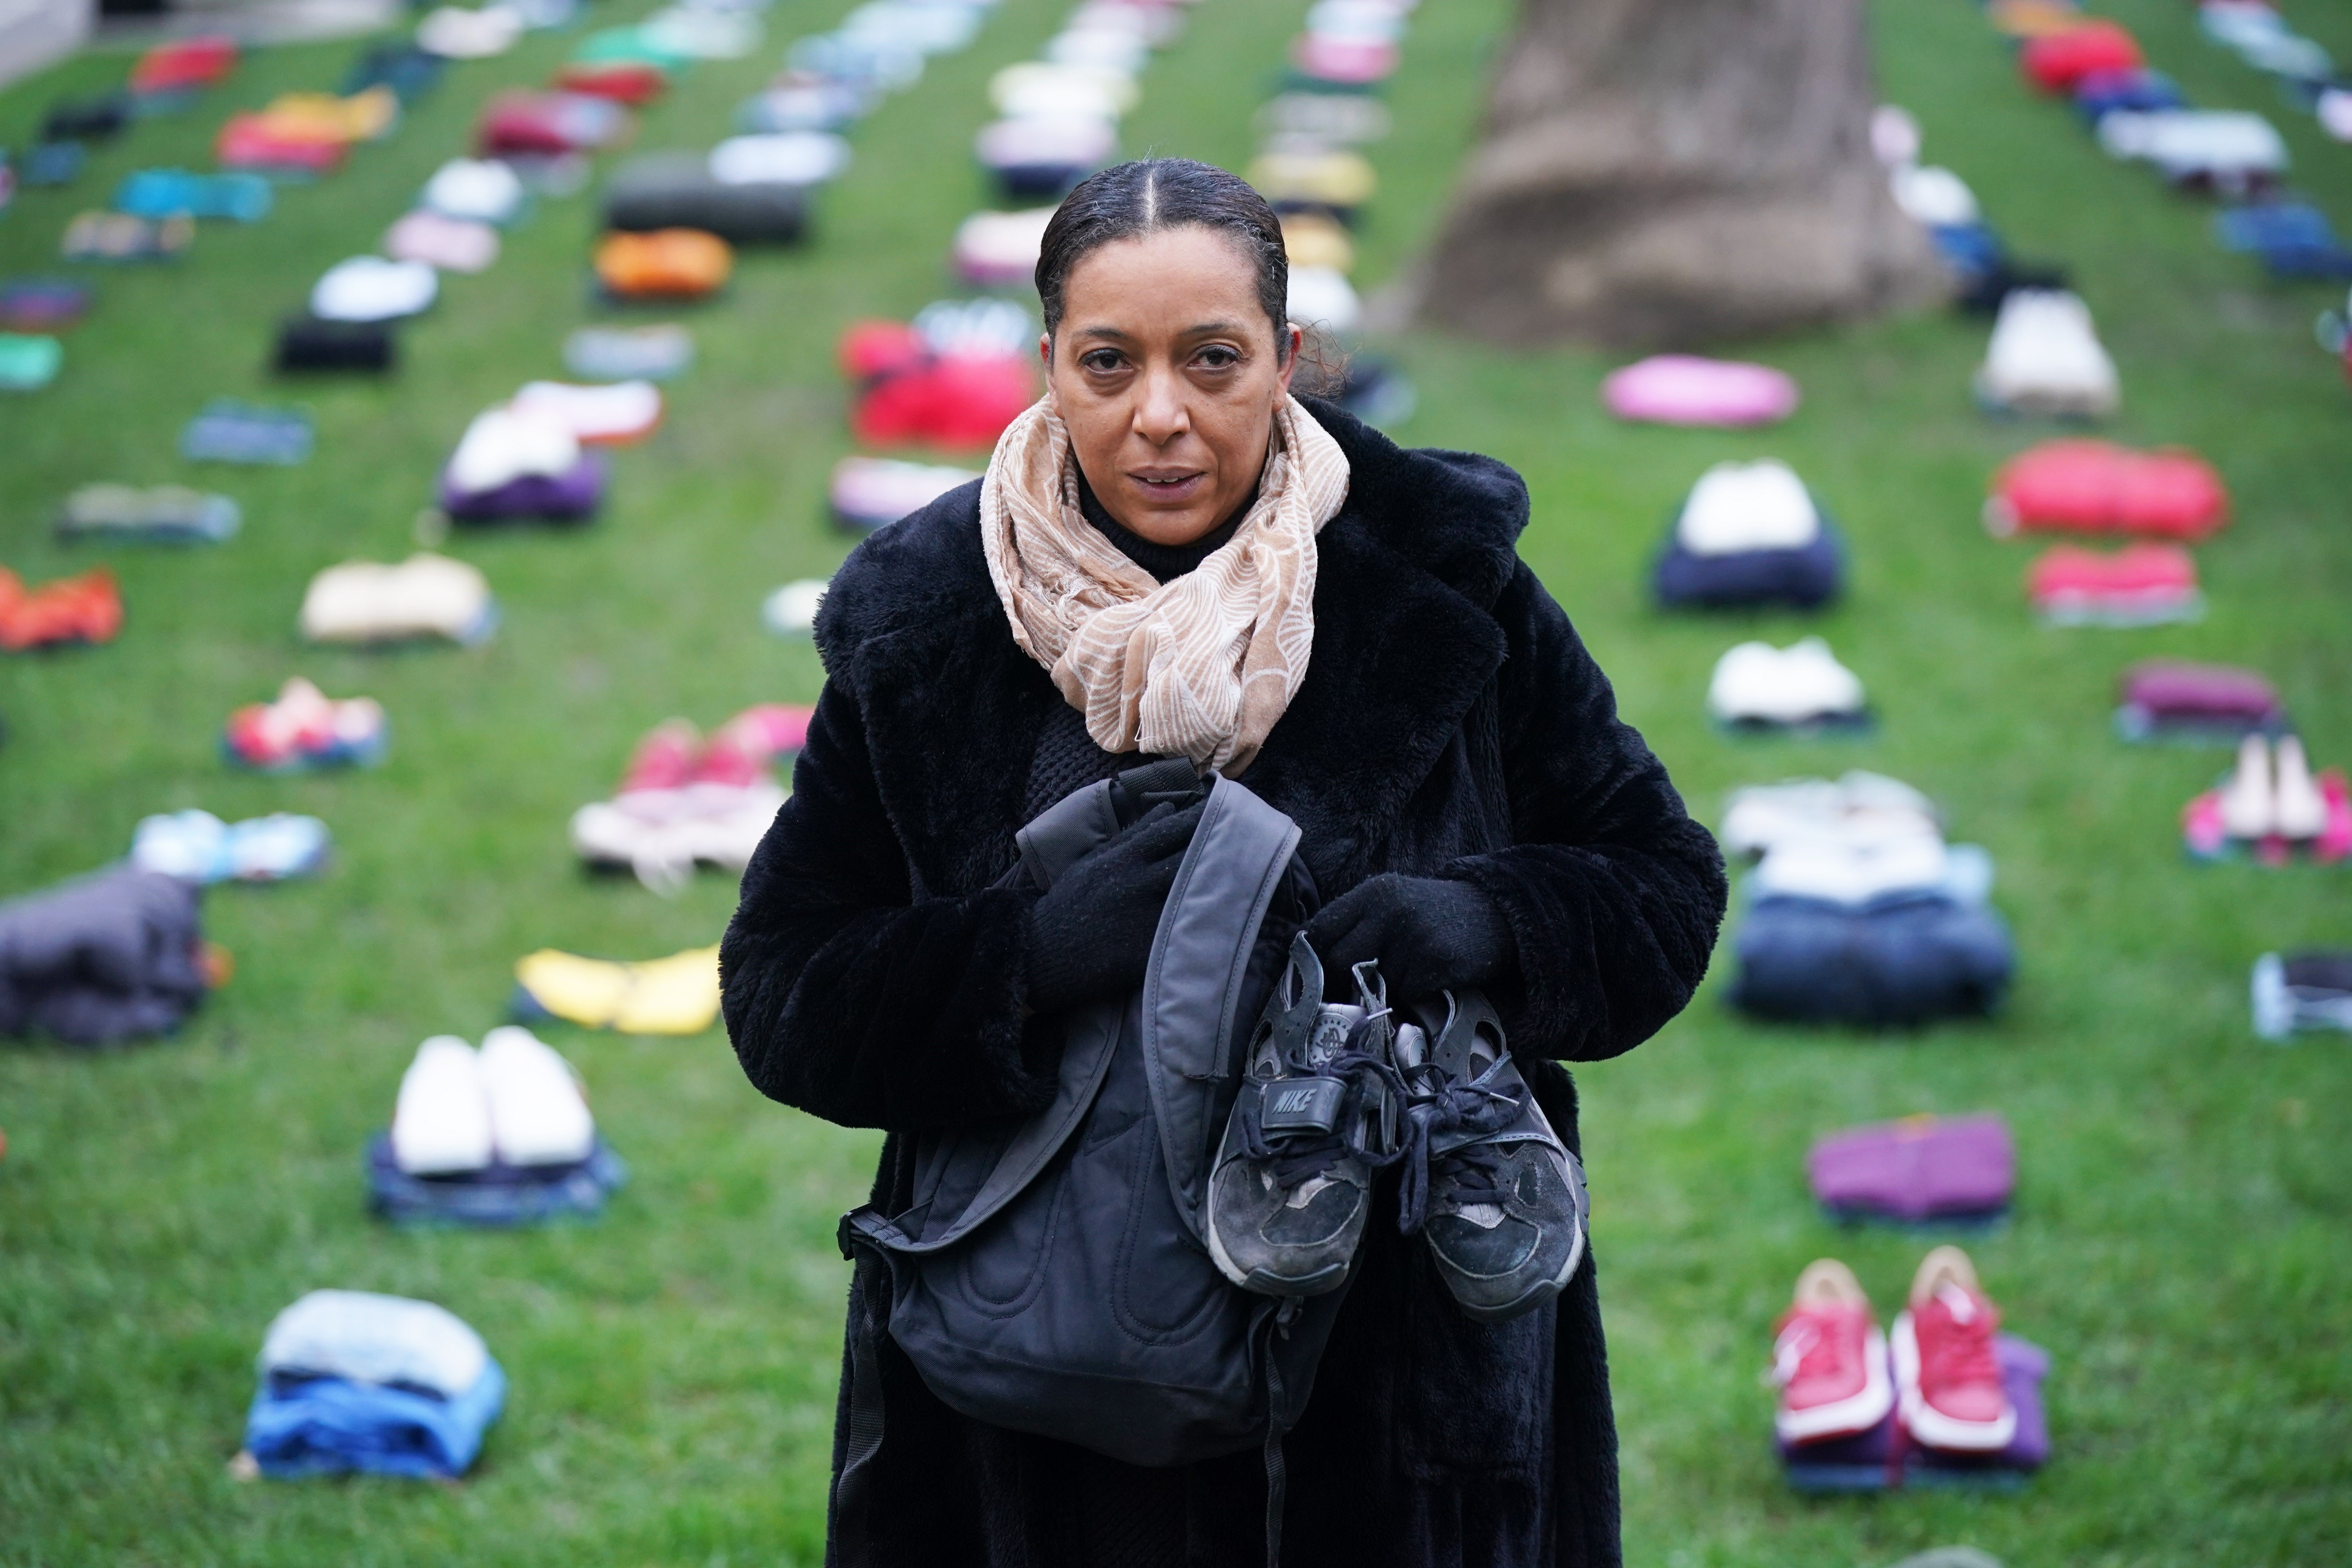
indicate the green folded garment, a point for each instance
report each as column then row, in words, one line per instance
column 28, row 364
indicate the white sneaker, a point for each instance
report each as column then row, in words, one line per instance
column 1739, row 506
column 1756, row 681
column 2249, row 804
column 2045, row 357
column 2299, row 810
column 537, row 1115
column 441, row 1124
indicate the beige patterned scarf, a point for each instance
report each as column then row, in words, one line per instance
column 1201, row 666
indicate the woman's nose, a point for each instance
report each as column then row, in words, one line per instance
column 1160, row 411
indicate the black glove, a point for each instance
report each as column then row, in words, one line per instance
column 1429, row 934
column 1090, row 934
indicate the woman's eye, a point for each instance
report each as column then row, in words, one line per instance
column 1102, row 362
column 1217, row 357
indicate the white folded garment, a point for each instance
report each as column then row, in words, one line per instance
column 1322, row 297
column 1739, row 506
column 1860, row 808
column 451, row 244
column 537, row 1115
column 2184, row 143
column 1002, row 243
column 371, row 289
column 425, row 595
column 457, row 34
column 2045, row 357
column 785, row 158
column 1076, row 141
column 1113, row 49
column 363, row 1337
column 976, row 329
column 1756, row 680
column 482, row 189
column 1034, row 87
column 503, row 444
column 1934, row 195
column 441, row 1123
column 609, row 411
column 791, row 610
column 663, row 834
column 703, row 35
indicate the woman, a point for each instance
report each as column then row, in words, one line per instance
column 1171, row 555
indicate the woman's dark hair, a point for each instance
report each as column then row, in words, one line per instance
column 1152, row 194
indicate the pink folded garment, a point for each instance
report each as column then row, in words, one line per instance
column 449, row 244
column 2169, row 690
column 1682, row 389
column 1920, row 1168
column 611, row 414
column 1348, row 62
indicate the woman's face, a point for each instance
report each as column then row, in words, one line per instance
column 1165, row 371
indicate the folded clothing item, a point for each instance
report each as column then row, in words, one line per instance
column 160, row 193
column 2300, row 991
column 663, row 834
column 791, row 610
column 2230, row 151
column 1854, row 870
column 1681, row 389
column 1318, row 239
column 868, row 492
column 497, row 1196
column 2055, row 61
column 2133, row 89
column 629, row 353
column 483, row 190
column 674, row 995
column 1803, row 576
column 183, row 64
column 86, row 120
column 1321, row 299
column 1858, row 808
column 369, row 115
column 1343, row 62
column 228, row 431
column 549, row 123
column 787, row 157
column 41, row 304
column 170, row 514
column 425, row 595
column 1918, row 1169
column 410, row 72
column 1988, row 274
column 505, row 443
column 257, row 143
column 2139, row 585
column 997, row 249
column 1040, row 87
column 304, row 729
column 1334, row 180
column 1884, row 1458
column 1900, row 959
column 631, row 83
column 112, row 956
column 702, row 35
column 28, row 364
column 436, row 240
column 199, row 848
column 630, row 45
column 664, row 264
column 2022, row 19
column 371, row 289
column 609, row 414
column 1800, row 687
column 1042, row 155
column 573, row 496
column 2209, row 832
column 913, row 392
column 457, row 34
column 356, row 1381
column 119, row 236
column 1738, row 507
column 2162, row 696
column 306, row 342
column 84, row 608
column 2044, row 358
column 679, row 192
column 2097, row 487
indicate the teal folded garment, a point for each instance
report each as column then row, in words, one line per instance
column 29, row 364
column 160, row 193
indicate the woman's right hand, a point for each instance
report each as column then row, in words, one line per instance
column 1090, row 934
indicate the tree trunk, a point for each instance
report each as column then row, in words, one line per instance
column 1670, row 173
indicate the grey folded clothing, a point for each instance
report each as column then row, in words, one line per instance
column 677, row 190
column 111, row 956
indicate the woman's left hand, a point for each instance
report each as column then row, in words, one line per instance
column 1429, row 934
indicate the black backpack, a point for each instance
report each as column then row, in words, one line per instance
column 1050, row 1275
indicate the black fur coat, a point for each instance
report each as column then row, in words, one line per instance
column 1450, row 724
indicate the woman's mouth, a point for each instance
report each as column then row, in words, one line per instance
column 1168, row 484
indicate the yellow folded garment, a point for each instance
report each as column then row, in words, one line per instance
column 323, row 117
column 1314, row 240
column 673, row 995
column 1328, row 179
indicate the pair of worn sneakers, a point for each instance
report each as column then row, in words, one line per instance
column 1333, row 1092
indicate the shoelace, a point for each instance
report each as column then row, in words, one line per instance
column 1804, row 1350
column 1297, row 1158
column 1963, row 1353
column 1440, row 1102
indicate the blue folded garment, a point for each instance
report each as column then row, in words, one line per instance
column 1806, row 576
column 2138, row 91
column 497, row 1196
column 2294, row 239
column 160, row 192
column 1904, row 958
column 324, row 1426
column 232, row 432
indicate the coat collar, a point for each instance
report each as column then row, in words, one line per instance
column 1404, row 642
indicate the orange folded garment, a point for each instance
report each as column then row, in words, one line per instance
column 669, row 263
column 87, row 608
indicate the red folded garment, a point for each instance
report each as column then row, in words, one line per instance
column 189, row 63
column 2097, row 487
column 2056, row 61
column 635, row 85
column 957, row 403
column 249, row 142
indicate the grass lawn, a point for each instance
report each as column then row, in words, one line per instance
column 2181, row 1238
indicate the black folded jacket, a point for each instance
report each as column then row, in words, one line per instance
column 86, row 120
column 674, row 189
column 308, row 343
column 107, row 957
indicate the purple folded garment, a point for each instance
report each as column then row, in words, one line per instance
column 1885, row 1457
column 570, row 496
column 2174, row 690
column 1921, row 1168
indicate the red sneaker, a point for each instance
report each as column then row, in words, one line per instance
column 667, row 758
column 1949, row 1379
column 1829, row 1358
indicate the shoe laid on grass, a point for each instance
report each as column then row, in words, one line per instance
column 1487, row 1183
column 1948, row 1380
column 1829, row 1359
column 1292, row 1186
column 306, row 729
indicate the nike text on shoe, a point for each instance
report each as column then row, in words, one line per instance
column 1946, row 1374
column 1315, row 1116
column 1486, row 1180
column 1829, row 1359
